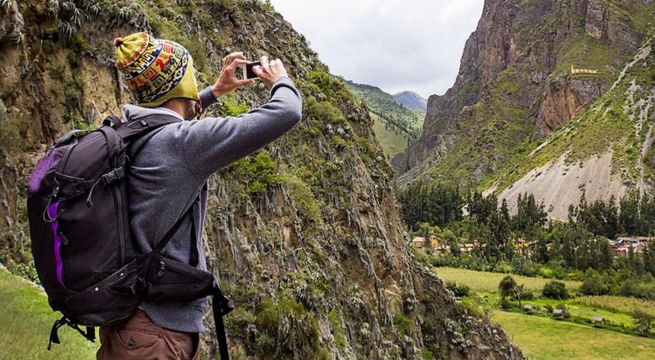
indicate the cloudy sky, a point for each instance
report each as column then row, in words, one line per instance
column 393, row 44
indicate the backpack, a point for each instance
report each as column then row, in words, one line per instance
column 81, row 242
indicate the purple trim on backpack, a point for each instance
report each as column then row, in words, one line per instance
column 52, row 212
column 45, row 164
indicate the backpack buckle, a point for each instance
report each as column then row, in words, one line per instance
column 113, row 175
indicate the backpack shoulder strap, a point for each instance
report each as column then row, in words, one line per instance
column 131, row 129
column 161, row 244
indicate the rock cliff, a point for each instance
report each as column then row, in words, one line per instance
column 305, row 235
column 527, row 70
column 605, row 151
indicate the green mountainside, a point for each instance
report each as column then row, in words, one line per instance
column 399, row 122
column 305, row 235
column 526, row 72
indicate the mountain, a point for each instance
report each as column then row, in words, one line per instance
column 411, row 100
column 394, row 124
column 607, row 150
column 305, row 235
column 402, row 118
column 527, row 71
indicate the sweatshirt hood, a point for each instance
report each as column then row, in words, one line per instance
column 134, row 112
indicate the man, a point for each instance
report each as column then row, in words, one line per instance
column 169, row 172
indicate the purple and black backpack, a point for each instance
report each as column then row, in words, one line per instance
column 81, row 243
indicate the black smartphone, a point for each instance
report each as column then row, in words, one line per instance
column 248, row 73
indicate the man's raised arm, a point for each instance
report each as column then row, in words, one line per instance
column 213, row 143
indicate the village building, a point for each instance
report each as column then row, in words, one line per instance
column 622, row 245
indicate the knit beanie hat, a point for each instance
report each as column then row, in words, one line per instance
column 155, row 70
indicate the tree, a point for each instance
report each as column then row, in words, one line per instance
column 501, row 231
column 480, row 207
column 629, row 216
column 594, row 284
column 509, row 287
column 453, row 243
column 605, row 259
column 528, row 214
column 506, row 286
column 555, row 290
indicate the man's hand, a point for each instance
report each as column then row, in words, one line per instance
column 270, row 72
column 227, row 80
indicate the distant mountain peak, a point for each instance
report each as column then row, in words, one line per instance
column 411, row 100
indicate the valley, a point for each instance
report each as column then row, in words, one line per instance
column 511, row 217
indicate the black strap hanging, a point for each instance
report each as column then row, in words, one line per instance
column 89, row 334
column 221, row 307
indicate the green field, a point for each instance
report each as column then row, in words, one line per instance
column 618, row 303
column 391, row 142
column 488, row 281
column 545, row 339
column 26, row 319
column 542, row 337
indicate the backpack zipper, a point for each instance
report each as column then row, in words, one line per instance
column 120, row 211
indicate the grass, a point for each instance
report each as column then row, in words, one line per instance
column 582, row 314
column 544, row 339
column 618, row 304
column 616, row 311
column 488, row 281
column 391, row 141
column 27, row 319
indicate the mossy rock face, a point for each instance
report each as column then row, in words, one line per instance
column 304, row 234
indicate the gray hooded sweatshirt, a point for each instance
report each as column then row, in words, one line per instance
column 169, row 173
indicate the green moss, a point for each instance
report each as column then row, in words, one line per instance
column 231, row 105
column 403, row 324
column 323, row 112
column 79, row 48
column 339, row 335
column 303, row 339
column 367, row 150
column 339, row 142
column 238, row 320
column 332, row 87
column 302, row 197
column 258, row 172
column 266, row 4
column 426, row 354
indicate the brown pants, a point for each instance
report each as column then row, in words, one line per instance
column 139, row 338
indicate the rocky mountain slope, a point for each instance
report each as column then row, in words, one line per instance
column 411, row 100
column 528, row 69
column 304, row 235
column 607, row 150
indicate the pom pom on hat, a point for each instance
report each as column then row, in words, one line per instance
column 118, row 41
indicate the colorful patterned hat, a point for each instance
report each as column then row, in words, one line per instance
column 155, row 70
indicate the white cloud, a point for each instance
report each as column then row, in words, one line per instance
column 393, row 44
